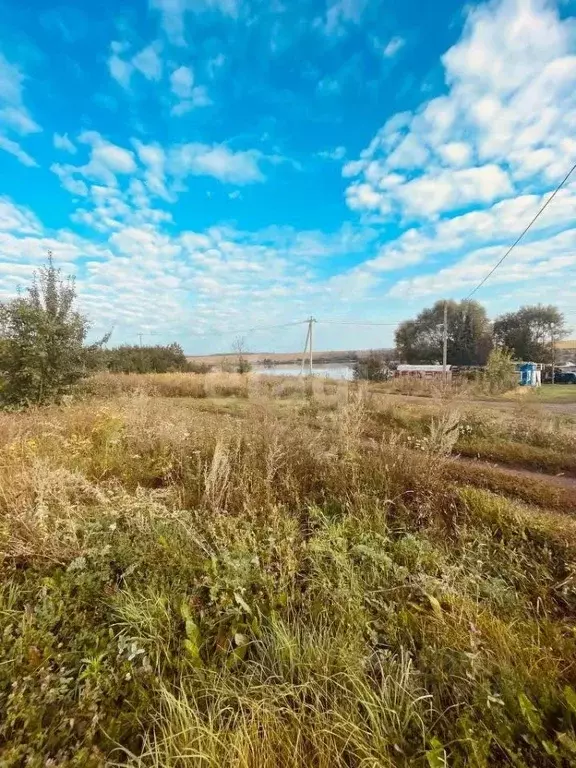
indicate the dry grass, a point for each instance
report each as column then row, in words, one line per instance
column 206, row 385
column 264, row 582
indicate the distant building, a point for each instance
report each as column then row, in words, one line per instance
column 424, row 371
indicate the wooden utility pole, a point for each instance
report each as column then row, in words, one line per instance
column 140, row 337
column 445, row 341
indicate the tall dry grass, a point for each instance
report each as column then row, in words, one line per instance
column 182, row 587
column 207, row 385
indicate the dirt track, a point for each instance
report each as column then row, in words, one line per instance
column 560, row 481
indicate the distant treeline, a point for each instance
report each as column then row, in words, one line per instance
column 155, row 359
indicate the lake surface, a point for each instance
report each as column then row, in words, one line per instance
column 327, row 370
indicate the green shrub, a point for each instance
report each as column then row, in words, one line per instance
column 42, row 351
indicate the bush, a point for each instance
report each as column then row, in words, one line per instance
column 499, row 375
column 157, row 359
column 42, row 352
column 373, row 367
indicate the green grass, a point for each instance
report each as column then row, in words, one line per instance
column 191, row 582
column 554, row 393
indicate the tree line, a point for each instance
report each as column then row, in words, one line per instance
column 43, row 349
column 529, row 334
column 168, row 358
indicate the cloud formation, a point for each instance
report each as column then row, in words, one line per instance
column 507, row 117
column 265, row 207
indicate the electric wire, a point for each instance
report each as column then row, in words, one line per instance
column 524, row 231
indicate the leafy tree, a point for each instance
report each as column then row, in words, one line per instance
column 528, row 333
column 372, row 367
column 42, row 351
column 469, row 341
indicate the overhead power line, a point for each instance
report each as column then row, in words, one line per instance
column 521, row 235
column 360, row 322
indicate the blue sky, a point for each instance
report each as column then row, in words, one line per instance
column 206, row 166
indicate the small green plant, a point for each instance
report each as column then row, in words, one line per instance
column 499, row 376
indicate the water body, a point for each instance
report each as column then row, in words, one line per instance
column 326, row 370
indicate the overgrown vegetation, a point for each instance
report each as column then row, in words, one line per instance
column 254, row 572
column 372, row 367
column 42, row 341
column 300, row 587
column 499, row 375
column 167, row 358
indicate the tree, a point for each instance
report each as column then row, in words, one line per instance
column 42, row 351
column 529, row 332
column 372, row 367
column 469, row 340
column 239, row 347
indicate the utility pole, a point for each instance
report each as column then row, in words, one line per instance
column 140, row 337
column 553, row 353
column 311, row 323
column 305, row 348
column 445, row 341
column 308, row 347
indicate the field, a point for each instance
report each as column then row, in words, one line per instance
column 221, row 570
column 257, row 358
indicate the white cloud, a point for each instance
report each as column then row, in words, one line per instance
column 149, row 63
column 14, row 117
column 120, row 70
column 17, row 218
column 11, row 80
column 218, row 161
column 19, row 120
column 182, row 86
column 66, row 175
column 61, row 141
column 106, row 159
column 154, row 158
column 393, row 46
column 182, row 82
column 364, row 197
column 449, row 190
column 13, row 148
column 529, row 261
column 199, row 98
column 456, row 153
column 508, row 116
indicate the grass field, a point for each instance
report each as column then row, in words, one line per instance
column 222, row 571
column 551, row 393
